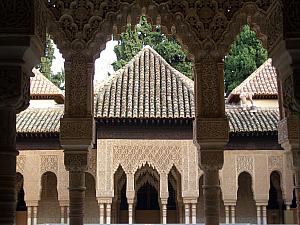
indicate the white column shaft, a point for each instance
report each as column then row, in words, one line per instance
column 194, row 213
column 232, row 214
column 130, row 213
column 29, row 215
column 108, row 213
column 164, row 214
column 101, row 212
column 34, row 215
column 226, row 214
column 258, row 209
column 187, row 213
column 264, row 210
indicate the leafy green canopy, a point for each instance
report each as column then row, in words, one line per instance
column 46, row 62
column 133, row 40
column 245, row 56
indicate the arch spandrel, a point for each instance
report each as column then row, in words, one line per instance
column 91, row 23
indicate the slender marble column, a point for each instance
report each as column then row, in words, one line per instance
column 62, row 214
column 258, row 210
column 232, row 207
column 164, row 213
column 101, row 212
column 35, row 209
column 29, row 215
column 187, row 213
column 108, row 213
column 226, row 214
column 194, row 213
column 264, row 213
column 130, row 213
column 68, row 215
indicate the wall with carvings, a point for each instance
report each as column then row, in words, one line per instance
column 161, row 155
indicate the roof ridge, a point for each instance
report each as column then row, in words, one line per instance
column 149, row 75
column 261, row 82
column 181, row 76
column 38, row 74
column 252, row 75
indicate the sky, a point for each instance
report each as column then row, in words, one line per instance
column 102, row 64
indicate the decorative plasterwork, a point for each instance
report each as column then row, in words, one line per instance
column 21, row 159
column 49, row 163
column 244, row 163
column 92, row 162
column 275, row 163
column 161, row 158
column 211, row 133
column 76, row 128
column 75, row 162
column 212, row 24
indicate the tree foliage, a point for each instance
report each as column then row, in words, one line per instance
column 46, row 63
column 245, row 56
column 133, row 40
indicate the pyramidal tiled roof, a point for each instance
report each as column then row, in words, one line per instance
column 147, row 87
column 42, row 88
column 262, row 82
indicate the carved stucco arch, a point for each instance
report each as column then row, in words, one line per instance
column 119, row 174
column 88, row 25
column 147, row 174
column 265, row 20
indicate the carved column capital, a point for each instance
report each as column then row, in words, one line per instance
column 75, row 161
column 211, row 133
column 211, row 160
column 77, row 132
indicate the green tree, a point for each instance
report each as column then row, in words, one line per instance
column 46, row 63
column 133, row 40
column 46, row 60
column 245, row 56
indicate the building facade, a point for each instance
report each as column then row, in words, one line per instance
column 144, row 165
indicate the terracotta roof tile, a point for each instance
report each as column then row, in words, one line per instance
column 46, row 120
column 39, row 120
column 262, row 82
column 147, row 87
column 42, row 88
column 244, row 121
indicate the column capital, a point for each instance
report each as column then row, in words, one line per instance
column 102, row 201
column 75, row 161
column 211, row 160
column 64, row 203
column 189, row 200
column 211, row 133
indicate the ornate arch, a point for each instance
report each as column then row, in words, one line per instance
column 146, row 174
column 87, row 25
